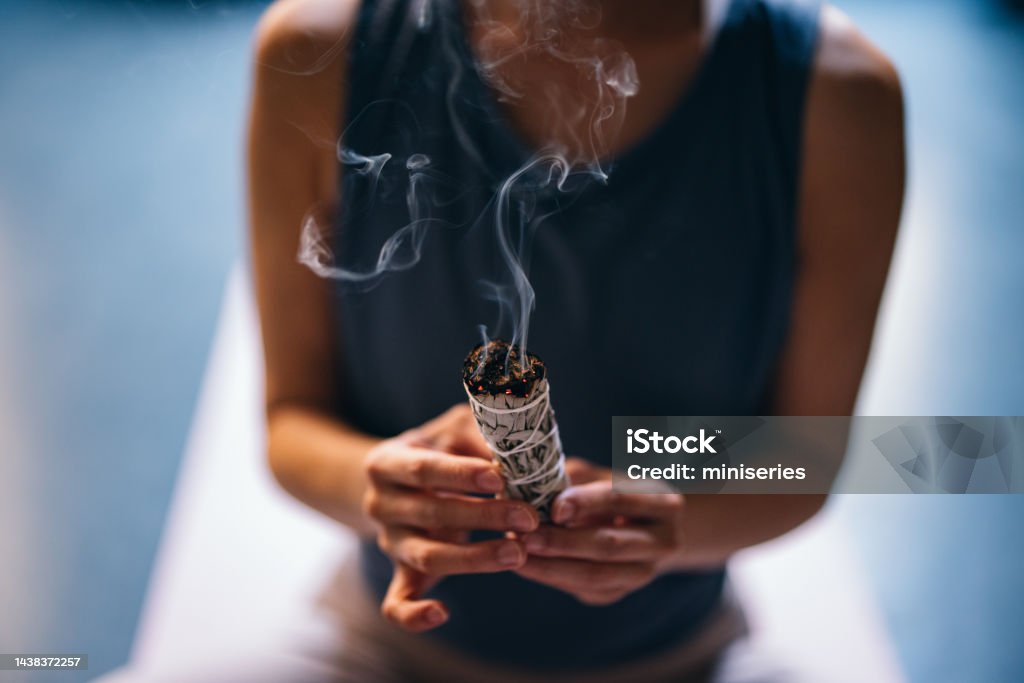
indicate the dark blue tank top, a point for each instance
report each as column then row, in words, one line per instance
column 665, row 291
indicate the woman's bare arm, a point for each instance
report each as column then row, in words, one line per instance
column 851, row 199
column 409, row 490
column 300, row 60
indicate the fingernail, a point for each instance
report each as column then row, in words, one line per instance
column 564, row 512
column 489, row 481
column 435, row 615
column 534, row 542
column 520, row 520
column 509, row 554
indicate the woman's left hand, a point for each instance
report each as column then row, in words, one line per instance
column 604, row 544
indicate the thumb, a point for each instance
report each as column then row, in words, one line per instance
column 582, row 471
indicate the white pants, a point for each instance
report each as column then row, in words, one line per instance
column 345, row 640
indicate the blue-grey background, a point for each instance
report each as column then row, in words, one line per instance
column 121, row 212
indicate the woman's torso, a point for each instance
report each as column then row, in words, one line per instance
column 664, row 291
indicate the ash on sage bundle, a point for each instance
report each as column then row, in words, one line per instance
column 511, row 400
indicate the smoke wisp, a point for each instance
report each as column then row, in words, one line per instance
column 563, row 89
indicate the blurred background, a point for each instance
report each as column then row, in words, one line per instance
column 122, row 215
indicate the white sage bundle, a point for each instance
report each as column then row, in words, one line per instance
column 512, row 404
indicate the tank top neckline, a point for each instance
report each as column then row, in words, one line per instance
column 521, row 150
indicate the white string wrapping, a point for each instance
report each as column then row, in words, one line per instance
column 523, row 435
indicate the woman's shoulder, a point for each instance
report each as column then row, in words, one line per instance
column 853, row 154
column 848, row 64
column 305, row 35
column 854, row 113
column 300, row 62
column 300, row 52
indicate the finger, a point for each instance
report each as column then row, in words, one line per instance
column 423, row 511
column 430, row 469
column 450, row 535
column 598, row 500
column 605, row 544
column 437, row 558
column 582, row 471
column 583, row 577
column 455, row 431
column 403, row 605
column 465, row 440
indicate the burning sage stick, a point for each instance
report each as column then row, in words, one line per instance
column 512, row 404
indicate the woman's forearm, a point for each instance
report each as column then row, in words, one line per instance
column 716, row 526
column 319, row 460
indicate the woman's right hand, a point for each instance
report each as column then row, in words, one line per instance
column 418, row 483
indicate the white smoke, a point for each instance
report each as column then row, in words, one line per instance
column 518, row 46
